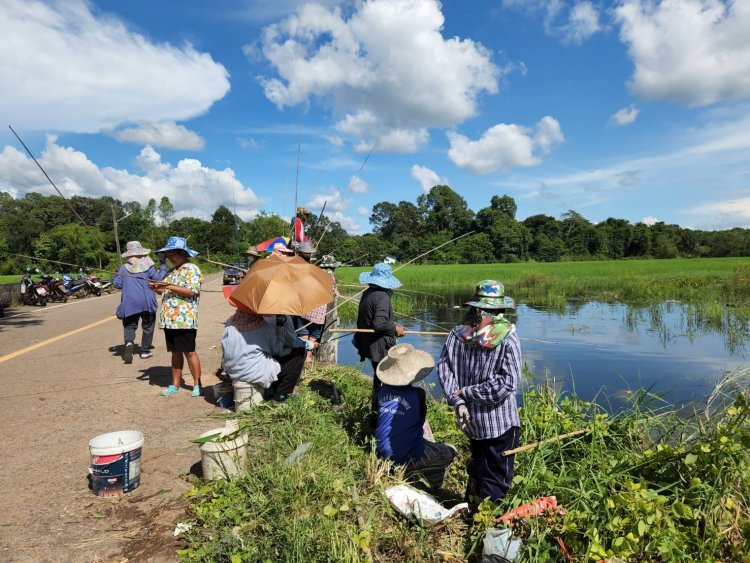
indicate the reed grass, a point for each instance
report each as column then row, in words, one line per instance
column 646, row 484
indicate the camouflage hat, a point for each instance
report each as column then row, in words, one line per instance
column 490, row 294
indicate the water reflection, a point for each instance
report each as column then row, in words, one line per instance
column 606, row 351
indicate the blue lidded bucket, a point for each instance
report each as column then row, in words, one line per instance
column 115, row 462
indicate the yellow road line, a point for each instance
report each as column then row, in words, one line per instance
column 51, row 340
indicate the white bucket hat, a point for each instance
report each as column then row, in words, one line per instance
column 405, row 365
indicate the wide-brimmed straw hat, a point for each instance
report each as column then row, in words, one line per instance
column 303, row 211
column 134, row 248
column 490, row 295
column 178, row 243
column 381, row 275
column 252, row 251
column 405, row 365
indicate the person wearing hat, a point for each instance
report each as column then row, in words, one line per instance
column 179, row 312
column 281, row 249
column 298, row 226
column 402, row 413
column 305, row 250
column 480, row 372
column 310, row 326
column 136, row 301
column 376, row 313
column 252, row 256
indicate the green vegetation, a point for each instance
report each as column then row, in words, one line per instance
column 646, row 484
column 715, row 280
column 10, row 279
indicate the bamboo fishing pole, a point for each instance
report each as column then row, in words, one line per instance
column 535, row 445
column 369, row 330
column 225, row 265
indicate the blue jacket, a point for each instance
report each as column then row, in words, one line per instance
column 136, row 296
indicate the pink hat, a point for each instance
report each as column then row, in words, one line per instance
column 134, row 248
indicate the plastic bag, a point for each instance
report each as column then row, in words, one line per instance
column 420, row 507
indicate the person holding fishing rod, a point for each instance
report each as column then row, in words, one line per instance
column 298, row 227
column 137, row 301
column 179, row 312
column 480, row 372
column 376, row 313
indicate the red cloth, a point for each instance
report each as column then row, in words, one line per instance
column 298, row 230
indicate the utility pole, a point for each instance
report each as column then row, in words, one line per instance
column 115, row 221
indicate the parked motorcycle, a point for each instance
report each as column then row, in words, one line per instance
column 55, row 288
column 101, row 285
column 75, row 286
column 32, row 293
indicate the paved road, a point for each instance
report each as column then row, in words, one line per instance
column 62, row 382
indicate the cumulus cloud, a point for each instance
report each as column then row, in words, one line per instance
column 625, row 116
column 726, row 212
column 648, row 220
column 427, row 178
column 378, row 70
column 572, row 25
column 67, row 68
column 193, row 189
column 363, row 211
column 358, row 186
column 690, row 51
column 505, row 146
column 335, row 201
column 167, row 134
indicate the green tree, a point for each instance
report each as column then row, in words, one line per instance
column 166, row 211
column 264, row 227
column 391, row 220
column 445, row 210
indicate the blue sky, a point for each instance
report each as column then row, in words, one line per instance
column 630, row 109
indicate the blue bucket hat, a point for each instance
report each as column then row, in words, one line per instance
column 178, row 243
column 381, row 276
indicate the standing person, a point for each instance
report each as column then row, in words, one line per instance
column 137, row 301
column 480, row 372
column 310, row 326
column 298, row 227
column 402, row 414
column 252, row 256
column 179, row 312
column 376, row 313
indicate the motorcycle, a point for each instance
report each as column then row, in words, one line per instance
column 101, row 285
column 55, row 287
column 74, row 287
column 32, row 293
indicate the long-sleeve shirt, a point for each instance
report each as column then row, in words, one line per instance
column 298, row 231
column 488, row 378
column 136, row 296
column 375, row 312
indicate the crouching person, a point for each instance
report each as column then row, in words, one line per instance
column 402, row 411
column 263, row 352
column 480, row 370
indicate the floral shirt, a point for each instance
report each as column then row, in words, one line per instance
column 178, row 311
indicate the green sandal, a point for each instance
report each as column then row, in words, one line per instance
column 171, row 390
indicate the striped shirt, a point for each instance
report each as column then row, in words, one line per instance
column 488, row 379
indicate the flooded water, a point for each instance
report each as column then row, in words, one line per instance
column 605, row 351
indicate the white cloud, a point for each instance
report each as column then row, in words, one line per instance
column 583, row 22
column 427, row 178
column 504, row 146
column 727, row 212
column 625, row 116
column 193, row 188
column 335, row 140
column 387, row 70
column 333, row 200
column 650, row 220
column 167, row 134
column 363, row 211
column 629, row 178
column 573, row 25
column 247, row 143
column 690, row 51
column 349, row 224
column 68, row 69
column 358, row 186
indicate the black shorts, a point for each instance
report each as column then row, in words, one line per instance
column 180, row 339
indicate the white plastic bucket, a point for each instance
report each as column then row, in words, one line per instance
column 223, row 459
column 115, row 462
column 246, row 395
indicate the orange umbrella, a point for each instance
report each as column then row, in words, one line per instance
column 281, row 285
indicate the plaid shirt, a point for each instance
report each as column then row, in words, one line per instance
column 488, row 380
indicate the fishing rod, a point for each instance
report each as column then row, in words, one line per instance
column 59, row 192
column 372, row 331
column 399, row 290
column 225, row 265
column 317, row 222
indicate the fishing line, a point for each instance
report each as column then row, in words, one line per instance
column 59, row 192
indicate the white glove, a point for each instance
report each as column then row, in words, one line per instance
column 309, row 345
column 462, row 415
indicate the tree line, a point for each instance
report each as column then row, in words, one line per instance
column 46, row 227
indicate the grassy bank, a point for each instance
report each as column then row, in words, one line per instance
column 644, row 485
column 724, row 280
